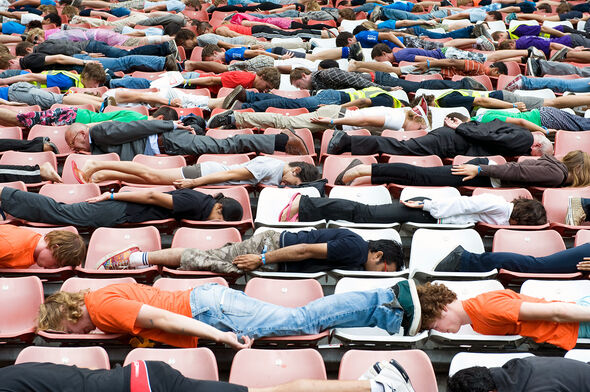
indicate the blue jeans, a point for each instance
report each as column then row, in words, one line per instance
column 460, row 33
column 130, row 82
column 128, row 63
column 284, row 14
column 581, row 85
column 261, row 101
column 560, row 262
column 162, row 49
column 231, row 310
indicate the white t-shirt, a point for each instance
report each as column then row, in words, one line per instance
column 266, row 170
column 295, row 62
column 394, row 117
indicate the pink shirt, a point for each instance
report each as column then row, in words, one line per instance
column 283, row 23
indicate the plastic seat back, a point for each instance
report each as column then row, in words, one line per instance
column 533, row 243
column 327, row 135
column 20, row 299
column 372, row 195
column 11, row 133
column 187, row 237
column 566, row 141
column 172, row 284
column 284, row 292
column 83, row 357
column 28, row 158
column 75, row 284
column 197, row 363
column 56, row 134
column 160, row 162
column 334, row 164
column 70, row 193
column 224, row 159
column 582, row 237
column 80, row 159
column 555, row 201
column 423, row 161
column 466, row 360
column 403, row 135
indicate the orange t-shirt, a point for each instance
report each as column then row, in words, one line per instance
column 244, row 30
column 114, row 309
column 17, row 246
column 496, row 313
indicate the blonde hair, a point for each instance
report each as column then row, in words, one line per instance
column 312, row 5
column 70, row 11
column 58, row 308
column 34, row 33
column 67, row 248
column 48, row 9
column 578, row 165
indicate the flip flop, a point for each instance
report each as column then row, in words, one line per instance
column 290, row 129
column 288, row 208
column 338, row 180
column 78, row 174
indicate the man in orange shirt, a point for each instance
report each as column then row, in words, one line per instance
column 224, row 315
column 21, row 248
column 505, row 312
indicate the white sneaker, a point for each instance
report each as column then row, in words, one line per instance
column 390, row 375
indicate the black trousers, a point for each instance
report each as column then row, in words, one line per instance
column 443, row 142
column 317, row 26
column 318, row 208
column 35, row 145
column 404, row 174
column 272, row 30
column 409, row 86
column 265, row 6
column 26, row 174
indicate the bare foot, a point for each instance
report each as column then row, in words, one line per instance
column 288, row 213
column 89, row 168
column 48, row 173
column 352, row 174
column 352, row 66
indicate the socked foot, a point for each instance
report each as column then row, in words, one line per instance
column 48, row 173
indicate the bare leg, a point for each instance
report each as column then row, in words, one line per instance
column 318, row 386
column 96, row 4
column 568, row 101
column 287, row 214
column 328, row 54
column 208, row 66
column 372, row 66
column 500, row 55
column 538, row 18
column 99, row 171
column 167, row 257
column 48, row 173
column 131, row 96
column 82, row 99
column 215, row 103
column 461, row 42
column 578, row 56
column 8, row 118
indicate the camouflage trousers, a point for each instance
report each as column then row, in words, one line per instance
column 220, row 260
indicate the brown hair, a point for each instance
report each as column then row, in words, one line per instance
column 458, row 116
column 21, row 48
column 544, row 7
column 270, row 75
column 298, row 73
column 94, row 71
column 4, row 49
column 184, row 35
column 48, row 9
column 209, row 51
column 70, row 11
column 563, row 7
column 412, row 116
column 5, row 60
column 68, row 249
column 417, row 8
column 433, row 300
column 347, row 14
column 578, row 166
column 312, row 5
column 496, row 35
column 528, row 212
column 505, row 44
column 380, row 50
column 59, row 307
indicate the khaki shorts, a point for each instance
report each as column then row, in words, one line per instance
column 192, row 171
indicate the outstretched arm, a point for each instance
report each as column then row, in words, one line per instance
column 159, row 199
column 359, row 121
column 291, row 253
column 215, row 178
column 560, row 312
column 28, row 77
column 154, row 318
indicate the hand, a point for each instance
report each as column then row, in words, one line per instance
column 179, row 125
column 413, row 204
column 11, row 103
column 256, row 47
column 551, row 130
column 287, row 56
column 96, row 55
column 469, row 171
column 103, row 197
column 584, row 265
column 176, row 102
column 248, row 262
column 430, row 22
column 422, row 67
column 321, row 120
column 183, row 183
column 396, row 88
column 521, row 106
column 231, row 339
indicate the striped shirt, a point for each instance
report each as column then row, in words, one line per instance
column 472, row 68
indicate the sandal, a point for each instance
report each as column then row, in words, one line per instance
column 288, row 208
column 78, row 174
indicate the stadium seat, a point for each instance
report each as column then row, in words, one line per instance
column 303, row 133
column 84, row 357
column 106, row 240
column 439, row 114
column 466, row 335
column 29, row 158
column 415, row 362
column 256, row 368
column 57, row 136
column 20, row 299
column 158, row 162
column 80, row 159
column 224, row 159
column 424, row 161
column 292, row 293
column 429, row 246
column 287, row 112
column 582, row 237
column 421, row 78
column 186, row 237
column 483, row 79
column 334, row 164
column 372, row 195
column 198, row 363
column 139, row 109
column 566, row 141
column 402, row 135
column 372, row 336
column 327, row 135
column 11, row 133
column 466, row 360
column 271, row 202
column 577, row 354
column 290, row 94
column 22, row 109
column 62, row 106
column 171, row 284
column 219, row 133
column 556, row 202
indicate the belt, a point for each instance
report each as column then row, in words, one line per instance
column 161, row 144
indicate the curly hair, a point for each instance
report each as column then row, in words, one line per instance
column 68, row 249
column 528, row 212
column 59, row 307
column 270, row 75
column 433, row 300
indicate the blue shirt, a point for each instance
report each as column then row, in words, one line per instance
column 401, row 5
column 13, row 28
column 4, row 93
column 235, row 54
column 48, row 2
column 388, row 24
column 370, row 38
column 60, row 80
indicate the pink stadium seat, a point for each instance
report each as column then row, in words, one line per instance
column 160, row 162
column 566, row 141
column 21, row 186
column 171, row 284
column 420, row 78
column 106, row 240
column 294, row 158
column 556, row 202
column 80, row 159
column 216, row 111
column 57, row 136
column 241, row 195
column 483, row 79
column 19, row 300
column 22, row 109
column 415, row 362
column 204, row 239
column 70, row 193
column 198, row 363
column 582, row 237
column 198, row 15
column 98, row 90
column 61, row 105
column 287, row 112
column 327, row 135
column 29, row 158
column 291, row 293
column 424, row 161
column 186, row 111
column 291, row 94
column 224, row 159
column 334, row 164
column 265, row 368
column 304, row 133
column 84, row 357
column 11, row 133
column 403, row 135
column 196, row 53
column 147, row 75
column 139, row 109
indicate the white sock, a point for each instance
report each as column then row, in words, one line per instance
column 376, row 386
column 138, row 260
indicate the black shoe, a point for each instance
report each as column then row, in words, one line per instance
column 474, row 84
column 451, row 262
column 407, row 299
column 376, row 14
column 532, row 67
column 232, row 97
column 171, row 64
column 446, row 3
column 47, row 141
column 356, row 52
column 222, row 120
column 334, row 147
column 355, row 162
